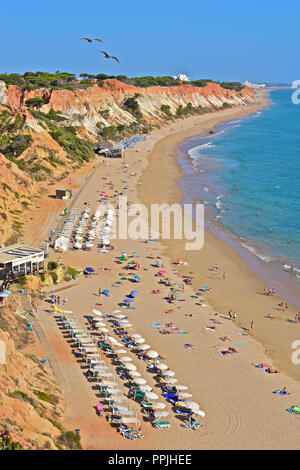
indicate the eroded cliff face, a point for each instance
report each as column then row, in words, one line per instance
column 30, row 401
column 49, row 156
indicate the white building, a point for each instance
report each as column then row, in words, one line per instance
column 182, row 77
column 254, row 85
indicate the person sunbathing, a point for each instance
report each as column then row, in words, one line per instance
column 232, row 350
column 224, row 338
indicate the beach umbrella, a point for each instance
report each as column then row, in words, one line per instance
column 145, row 388
column 121, row 317
column 135, row 335
column 152, row 354
column 162, row 366
column 179, row 260
column 112, row 340
column 108, row 383
column 127, row 301
column 181, row 387
column 126, row 359
column 137, row 278
column 106, row 291
column 162, row 272
column 151, row 396
column 134, row 293
column 97, row 312
column 171, row 381
column 143, row 347
column 176, row 294
column 134, row 373
column 140, row 381
column 199, row 413
column 116, row 311
column 130, row 366
column 104, row 330
column 121, row 351
column 168, row 373
column 192, row 405
column 161, row 414
column 139, row 340
column 99, row 323
column 158, row 406
column 185, row 395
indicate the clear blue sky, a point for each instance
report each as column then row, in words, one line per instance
column 222, row 40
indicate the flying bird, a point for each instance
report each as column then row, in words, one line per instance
column 97, row 39
column 87, row 39
column 107, row 56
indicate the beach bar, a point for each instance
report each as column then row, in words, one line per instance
column 63, row 193
column 19, row 260
column 109, row 150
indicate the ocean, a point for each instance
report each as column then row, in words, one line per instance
column 247, row 174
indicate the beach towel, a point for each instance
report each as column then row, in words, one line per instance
column 157, row 325
column 294, row 410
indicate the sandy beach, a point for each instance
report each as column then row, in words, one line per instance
column 241, row 410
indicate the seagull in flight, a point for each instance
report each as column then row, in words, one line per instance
column 107, row 56
column 87, row 39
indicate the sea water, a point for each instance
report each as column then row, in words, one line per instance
column 247, row 174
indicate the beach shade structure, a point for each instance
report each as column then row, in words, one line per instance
column 168, row 373
column 184, row 395
column 181, row 387
column 162, row 366
column 112, row 340
column 109, row 383
column 106, row 291
column 134, row 293
column 130, row 366
column 139, row 340
column 206, row 287
column 127, row 300
column 78, row 237
column 162, row 272
column 121, row 317
column 176, row 294
column 161, row 414
column 137, row 278
column 143, row 347
column 97, row 312
column 145, row 388
column 151, row 396
column 104, row 330
column 140, row 381
column 192, row 405
column 159, row 264
column 121, row 351
column 199, row 413
column 126, row 359
column 171, row 381
column 135, row 335
column 90, row 270
column 77, row 245
column 179, row 260
column 117, row 311
column 134, row 373
column 100, row 323
column 158, row 406
column 152, row 354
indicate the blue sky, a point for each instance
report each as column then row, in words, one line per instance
column 222, row 40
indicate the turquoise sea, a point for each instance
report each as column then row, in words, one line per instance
column 248, row 176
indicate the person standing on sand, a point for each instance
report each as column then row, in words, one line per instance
column 251, row 325
column 224, row 276
column 99, row 292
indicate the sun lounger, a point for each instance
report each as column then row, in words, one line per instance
column 162, row 424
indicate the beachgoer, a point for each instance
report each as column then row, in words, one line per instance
column 251, row 325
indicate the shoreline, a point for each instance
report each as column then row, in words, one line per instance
column 221, row 385
column 239, row 272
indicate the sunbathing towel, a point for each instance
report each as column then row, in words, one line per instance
column 294, row 410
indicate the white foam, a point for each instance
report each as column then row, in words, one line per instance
column 253, row 250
